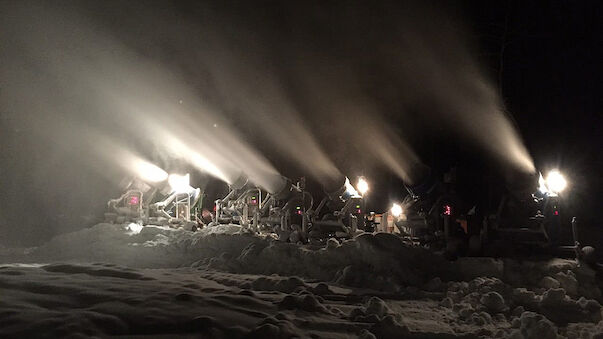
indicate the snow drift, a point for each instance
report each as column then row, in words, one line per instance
column 169, row 281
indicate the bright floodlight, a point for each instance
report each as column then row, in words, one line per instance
column 396, row 210
column 149, row 172
column 180, row 183
column 555, row 181
column 362, row 186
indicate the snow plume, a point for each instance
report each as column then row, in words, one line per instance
column 380, row 77
column 321, row 87
column 327, row 86
column 85, row 91
column 77, row 100
column 368, row 79
column 251, row 92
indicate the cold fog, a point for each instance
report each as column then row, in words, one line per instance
column 318, row 89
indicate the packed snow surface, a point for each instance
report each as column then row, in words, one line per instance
column 124, row 280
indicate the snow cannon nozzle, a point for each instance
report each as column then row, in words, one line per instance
column 283, row 188
column 240, row 182
column 335, row 188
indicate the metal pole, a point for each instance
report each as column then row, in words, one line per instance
column 575, row 231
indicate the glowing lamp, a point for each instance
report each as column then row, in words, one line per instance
column 555, row 181
column 396, row 210
column 362, row 186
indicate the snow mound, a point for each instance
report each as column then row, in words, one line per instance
column 221, row 229
column 150, row 246
column 534, row 312
column 385, row 261
column 380, row 261
column 535, row 326
column 371, row 286
column 106, row 300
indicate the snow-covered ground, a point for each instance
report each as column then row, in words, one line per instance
column 120, row 280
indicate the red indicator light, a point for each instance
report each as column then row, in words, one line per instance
column 254, row 202
column 447, row 210
column 556, row 212
column 299, row 212
column 133, row 200
column 358, row 211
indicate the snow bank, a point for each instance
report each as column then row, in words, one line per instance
column 533, row 325
column 100, row 300
column 262, row 281
column 151, row 247
column 535, row 313
column 380, row 261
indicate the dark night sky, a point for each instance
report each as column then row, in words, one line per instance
column 551, row 85
column 551, row 71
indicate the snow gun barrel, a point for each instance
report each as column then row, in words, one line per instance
column 335, row 188
column 280, row 187
column 240, row 182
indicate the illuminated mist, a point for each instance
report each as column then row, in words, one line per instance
column 410, row 64
column 147, row 103
column 320, row 87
